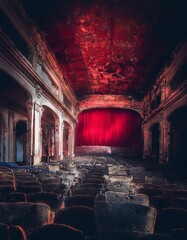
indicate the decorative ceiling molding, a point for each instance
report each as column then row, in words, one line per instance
column 109, row 101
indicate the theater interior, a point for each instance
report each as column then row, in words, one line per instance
column 93, row 120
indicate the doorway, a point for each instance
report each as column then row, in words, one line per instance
column 178, row 139
column 21, row 141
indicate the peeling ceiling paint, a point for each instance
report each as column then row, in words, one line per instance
column 110, row 46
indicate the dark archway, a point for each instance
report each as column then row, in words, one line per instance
column 48, row 135
column 14, row 98
column 178, row 139
column 21, row 141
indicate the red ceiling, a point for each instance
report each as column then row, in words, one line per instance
column 110, row 46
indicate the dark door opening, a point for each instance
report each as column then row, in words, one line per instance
column 21, row 140
column 178, row 139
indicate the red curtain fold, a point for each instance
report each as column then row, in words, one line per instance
column 109, row 127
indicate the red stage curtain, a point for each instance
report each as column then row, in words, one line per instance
column 109, row 127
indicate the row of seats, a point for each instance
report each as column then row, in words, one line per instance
column 21, row 181
column 90, row 211
column 166, row 222
column 32, row 216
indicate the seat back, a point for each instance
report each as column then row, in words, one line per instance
column 126, row 216
column 4, row 232
column 93, row 180
column 91, row 185
column 180, row 203
column 175, row 193
column 80, row 200
column 85, row 191
column 171, row 218
column 29, row 189
column 16, row 197
column 26, row 215
column 160, row 202
column 54, row 200
column 151, row 191
column 17, row 233
column 118, row 197
column 80, row 217
column 7, row 189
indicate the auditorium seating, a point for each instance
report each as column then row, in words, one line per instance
column 92, row 210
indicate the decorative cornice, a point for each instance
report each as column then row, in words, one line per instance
column 12, row 56
column 109, row 101
column 34, row 38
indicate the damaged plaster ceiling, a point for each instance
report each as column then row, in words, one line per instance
column 110, row 46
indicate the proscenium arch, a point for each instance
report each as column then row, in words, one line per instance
column 114, row 127
column 140, row 112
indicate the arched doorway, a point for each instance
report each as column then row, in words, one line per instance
column 178, row 139
column 2, row 138
column 13, row 98
column 48, row 135
column 21, row 141
column 155, row 142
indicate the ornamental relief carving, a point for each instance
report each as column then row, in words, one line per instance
column 38, row 91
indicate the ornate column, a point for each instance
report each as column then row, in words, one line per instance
column 37, row 133
column 30, row 110
column 163, row 89
column 59, row 127
column 61, row 131
column 56, row 140
column 71, row 141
